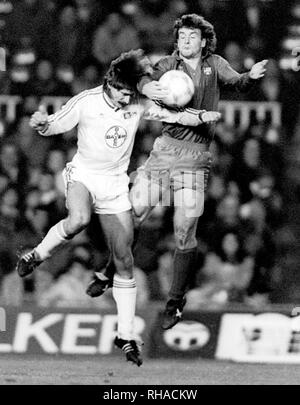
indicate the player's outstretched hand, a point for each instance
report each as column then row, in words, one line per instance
column 258, row 70
column 210, row 116
column 155, row 91
column 39, row 119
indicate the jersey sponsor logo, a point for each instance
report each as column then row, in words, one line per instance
column 115, row 136
column 127, row 115
column 207, row 71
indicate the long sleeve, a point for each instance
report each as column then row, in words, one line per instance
column 66, row 118
column 227, row 76
column 187, row 117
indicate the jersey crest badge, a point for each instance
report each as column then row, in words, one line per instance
column 207, row 71
column 115, row 136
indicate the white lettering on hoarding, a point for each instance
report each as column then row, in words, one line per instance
column 72, row 331
column 26, row 329
column 108, row 334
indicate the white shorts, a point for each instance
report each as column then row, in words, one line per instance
column 110, row 194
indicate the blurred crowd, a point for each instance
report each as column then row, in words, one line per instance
column 246, row 237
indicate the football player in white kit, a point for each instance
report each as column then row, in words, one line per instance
column 107, row 118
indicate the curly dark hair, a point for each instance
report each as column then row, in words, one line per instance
column 126, row 71
column 206, row 28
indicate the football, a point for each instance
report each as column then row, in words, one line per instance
column 181, row 88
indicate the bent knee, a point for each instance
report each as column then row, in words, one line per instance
column 125, row 260
column 78, row 221
column 139, row 214
column 185, row 239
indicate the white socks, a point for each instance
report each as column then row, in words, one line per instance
column 124, row 293
column 55, row 237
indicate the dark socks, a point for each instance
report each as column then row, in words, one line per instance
column 184, row 269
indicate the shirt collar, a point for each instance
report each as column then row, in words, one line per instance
column 108, row 101
column 179, row 59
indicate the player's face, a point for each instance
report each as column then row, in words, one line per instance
column 121, row 98
column 190, row 42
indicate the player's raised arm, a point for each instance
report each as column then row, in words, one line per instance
column 240, row 82
column 188, row 117
column 62, row 121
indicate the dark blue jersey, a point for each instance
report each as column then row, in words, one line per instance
column 215, row 72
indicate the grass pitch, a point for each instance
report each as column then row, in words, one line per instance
column 25, row 370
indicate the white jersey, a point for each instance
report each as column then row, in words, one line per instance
column 106, row 133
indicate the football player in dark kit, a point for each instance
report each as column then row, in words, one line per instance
column 180, row 159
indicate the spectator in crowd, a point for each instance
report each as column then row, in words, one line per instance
column 113, row 37
column 55, row 164
column 44, row 82
column 261, row 18
column 5, row 82
column 32, row 149
column 70, row 44
column 88, row 78
column 9, row 208
column 227, row 219
column 7, row 259
column 33, row 225
column 65, row 76
column 233, row 12
column 234, row 54
column 25, row 54
column 259, row 244
column 51, row 198
column 13, row 165
column 91, row 13
column 227, row 272
column 215, row 193
column 19, row 80
column 283, row 87
column 26, row 15
column 68, row 290
column 247, row 168
column 154, row 22
column 4, row 181
column 226, row 140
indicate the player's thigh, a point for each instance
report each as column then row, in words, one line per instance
column 78, row 200
column 146, row 194
column 118, row 231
